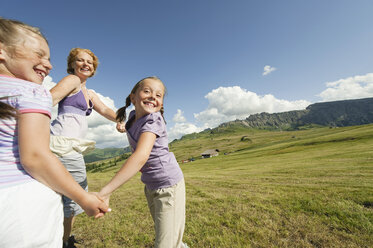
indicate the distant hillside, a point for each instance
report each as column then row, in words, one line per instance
column 336, row 114
column 105, row 153
column 333, row 114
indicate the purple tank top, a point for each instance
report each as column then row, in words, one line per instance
column 75, row 104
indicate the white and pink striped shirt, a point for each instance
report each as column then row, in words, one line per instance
column 26, row 97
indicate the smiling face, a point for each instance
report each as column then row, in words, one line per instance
column 148, row 98
column 83, row 65
column 29, row 60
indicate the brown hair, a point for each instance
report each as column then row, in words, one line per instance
column 72, row 58
column 6, row 111
column 121, row 113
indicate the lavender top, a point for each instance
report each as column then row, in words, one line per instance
column 71, row 120
column 161, row 170
column 75, row 104
column 26, row 97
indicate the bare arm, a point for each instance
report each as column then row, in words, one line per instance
column 69, row 84
column 101, row 108
column 133, row 164
column 44, row 166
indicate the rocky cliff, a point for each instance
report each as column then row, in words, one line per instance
column 337, row 113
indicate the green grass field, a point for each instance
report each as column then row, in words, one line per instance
column 306, row 188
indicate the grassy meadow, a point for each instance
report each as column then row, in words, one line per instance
column 305, row 188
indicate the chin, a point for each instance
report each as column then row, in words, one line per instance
column 37, row 81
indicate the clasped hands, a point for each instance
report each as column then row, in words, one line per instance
column 101, row 208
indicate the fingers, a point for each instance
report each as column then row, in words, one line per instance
column 105, row 198
column 99, row 215
column 104, row 207
column 98, row 207
column 121, row 127
column 102, row 214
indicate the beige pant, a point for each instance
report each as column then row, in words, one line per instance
column 167, row 207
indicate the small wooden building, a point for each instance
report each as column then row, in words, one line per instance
column 210, row 153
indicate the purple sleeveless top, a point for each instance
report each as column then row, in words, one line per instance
column 72, row 115
column 75, row 104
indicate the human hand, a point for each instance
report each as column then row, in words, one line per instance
column 94, row 206
column 121, row 127
column 104, row 197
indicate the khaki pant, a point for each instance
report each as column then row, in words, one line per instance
column 167, row 207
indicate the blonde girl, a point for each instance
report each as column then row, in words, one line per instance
column 31, row 177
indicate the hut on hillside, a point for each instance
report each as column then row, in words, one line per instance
column 210, row 153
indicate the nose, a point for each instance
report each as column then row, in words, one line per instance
column 47, row 64
column 85, row 62
column 153, row 96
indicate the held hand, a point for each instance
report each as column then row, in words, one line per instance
column 101, row 214
column 93, row 206
column 121, row 127
column 105, row 198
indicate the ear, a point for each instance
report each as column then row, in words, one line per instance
column 132, row 97
column 2, row 52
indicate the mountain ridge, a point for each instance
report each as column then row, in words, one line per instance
column 335, row 114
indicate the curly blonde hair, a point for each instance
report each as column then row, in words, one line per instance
column 72, row 58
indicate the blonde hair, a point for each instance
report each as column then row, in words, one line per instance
column 13, row 34
column 72, row 58
column 121, row 113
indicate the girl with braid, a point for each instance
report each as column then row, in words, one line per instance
column 161, row 174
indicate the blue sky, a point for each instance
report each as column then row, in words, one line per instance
column 212, row 54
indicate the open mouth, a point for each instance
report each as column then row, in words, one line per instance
column 41, row 74
column 149, row 104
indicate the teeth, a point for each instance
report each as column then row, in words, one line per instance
column 41, row 73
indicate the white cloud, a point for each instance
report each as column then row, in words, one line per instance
column 268, row 69
column 228, row 104
column 182, row 127
column 95, row 119
column 49, row 84
column 179, row 117
column 106, row 135
column 349, row 88
column 100, row 129
column 231, row 103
